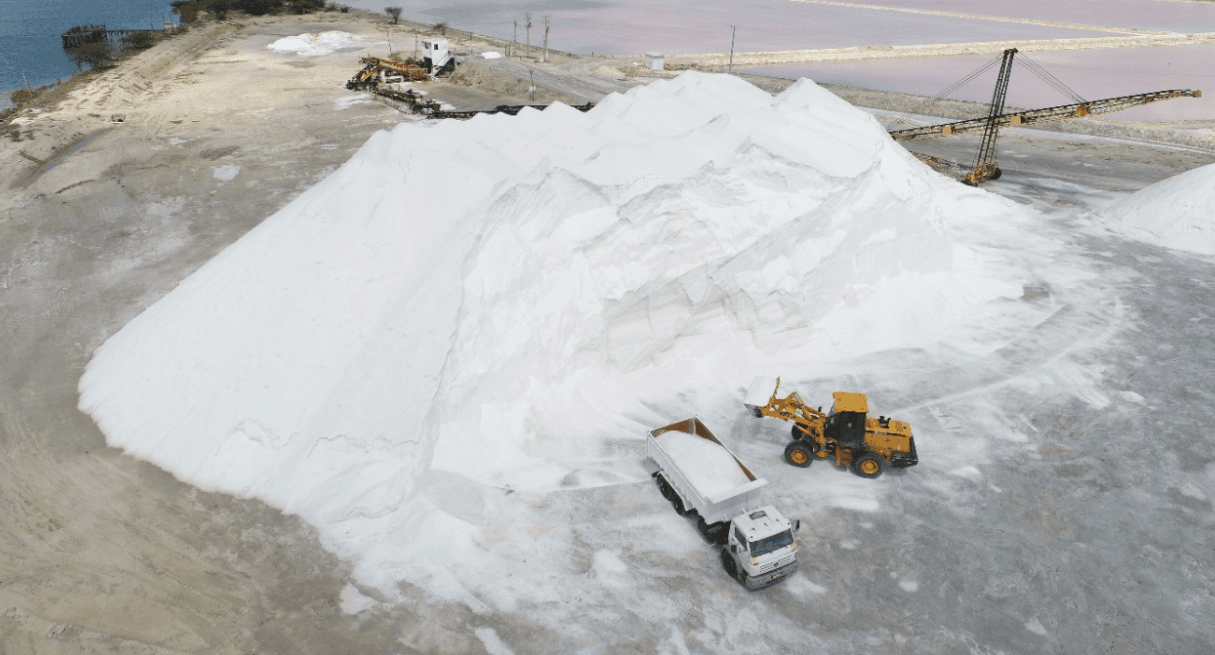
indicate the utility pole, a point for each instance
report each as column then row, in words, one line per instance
column 388, row 36
column 545, row 39
column 527, row 19
column 733, row 32
column 531, row 91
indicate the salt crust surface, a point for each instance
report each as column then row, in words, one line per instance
column 709, row 467
column 1177, row 213
column 470, row 306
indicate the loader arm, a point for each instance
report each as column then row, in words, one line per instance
column 793, row 409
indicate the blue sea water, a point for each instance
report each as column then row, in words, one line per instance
column 30, row 47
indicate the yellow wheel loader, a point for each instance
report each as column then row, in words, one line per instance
column 846, row 434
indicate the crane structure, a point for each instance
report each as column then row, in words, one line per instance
column 984, row 167
column 985, row 162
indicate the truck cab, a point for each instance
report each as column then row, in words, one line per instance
column 760, row 549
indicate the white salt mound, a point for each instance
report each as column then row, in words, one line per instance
column 315, row 45
column 709, row 467
column 494, row 298
column 1176, row 213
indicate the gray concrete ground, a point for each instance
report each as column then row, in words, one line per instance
column 1096, row 540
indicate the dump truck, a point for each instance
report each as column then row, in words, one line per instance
column 847, row 434
column 705, row 480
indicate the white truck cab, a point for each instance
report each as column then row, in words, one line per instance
column 760, row 549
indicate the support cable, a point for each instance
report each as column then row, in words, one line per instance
column 1045, row 75
column 954, row 87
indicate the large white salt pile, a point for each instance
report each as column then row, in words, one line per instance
column 316, row 45
column 495, row 297
column 709, row 467
column 1176, row 213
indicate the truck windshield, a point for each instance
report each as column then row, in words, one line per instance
column 769, row 544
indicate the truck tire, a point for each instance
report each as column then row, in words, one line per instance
column 663, row 487
column 799, row 454
column 677, row 503
column 728, row 563
column 869, row 465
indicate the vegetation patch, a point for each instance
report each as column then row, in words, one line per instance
column 190, row 10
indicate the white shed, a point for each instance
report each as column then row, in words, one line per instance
column 653, row 61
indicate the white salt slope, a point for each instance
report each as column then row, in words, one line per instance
column 494, row 297
column 1176, row 213
column 316, row 45
column 709, row 467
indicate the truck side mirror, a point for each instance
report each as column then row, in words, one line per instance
column 797, row 525
column 734, row 548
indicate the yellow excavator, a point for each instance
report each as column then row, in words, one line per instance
column 846, row 434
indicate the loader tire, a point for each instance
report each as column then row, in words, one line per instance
column 869, row 465
column 799, row 454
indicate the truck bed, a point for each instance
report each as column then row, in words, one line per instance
column 701, row 474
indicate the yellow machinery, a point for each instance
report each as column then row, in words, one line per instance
column 867, row 445
column 376, row 69
column 985, row 167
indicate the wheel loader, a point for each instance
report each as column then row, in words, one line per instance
column 846, row 434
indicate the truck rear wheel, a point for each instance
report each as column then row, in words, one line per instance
column 869, row 465
column 799, row 454
column 663, row 487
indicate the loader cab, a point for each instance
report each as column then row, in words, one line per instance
column 846, row 422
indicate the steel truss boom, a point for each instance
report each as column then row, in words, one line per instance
column 1036, row 116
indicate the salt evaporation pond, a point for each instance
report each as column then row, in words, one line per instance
column 1185, row 17
column 1094, row 74
column 509, row 304
column 632, row 27
column 688, row 26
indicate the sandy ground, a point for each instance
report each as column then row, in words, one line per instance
column 102, row 553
